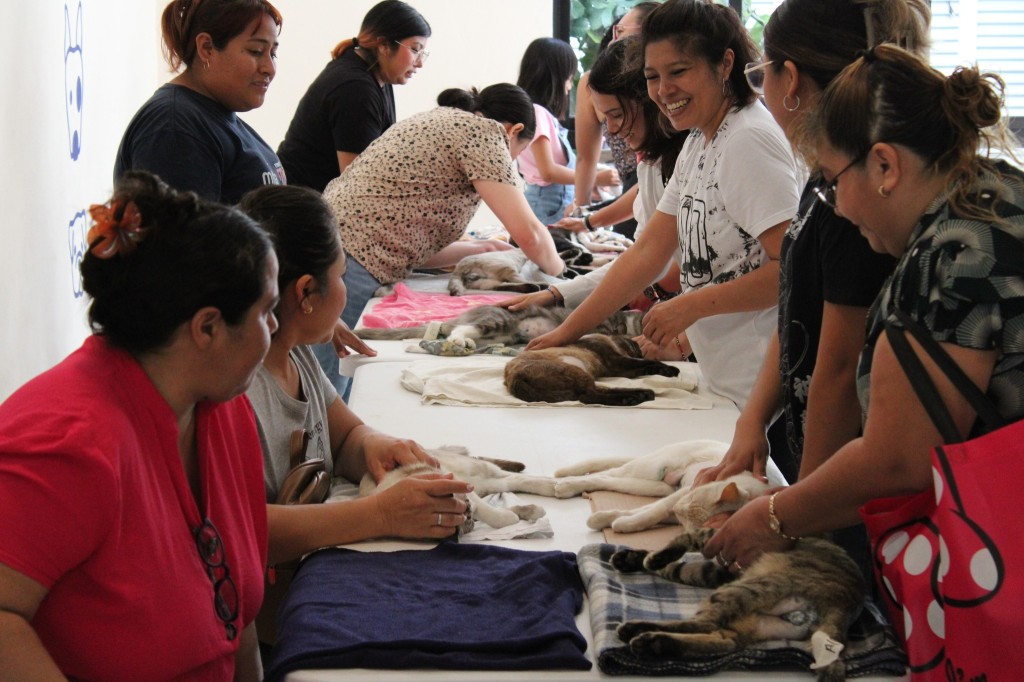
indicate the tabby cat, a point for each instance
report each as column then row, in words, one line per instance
column 814, row 591
column 568, row 372
column 494, row 324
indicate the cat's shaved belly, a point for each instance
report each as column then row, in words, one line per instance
column 574, row 361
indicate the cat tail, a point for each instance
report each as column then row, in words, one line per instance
column 618, row 397
column 375, row 334
column 505, row 464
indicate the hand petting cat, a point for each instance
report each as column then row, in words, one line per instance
column 748, row 452
column 747, row 535
column 422, row 506
column 670, row 318
column 541, row 298
column 384, row 453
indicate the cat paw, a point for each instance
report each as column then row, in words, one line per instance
column 464, row 341
column 629, row 560
column 631, row 628
column 602, row 519
column 662, row 370
column 663, row 557
column 529, row 512
column 564, row 490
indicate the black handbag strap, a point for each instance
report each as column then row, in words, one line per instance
column 924, row 387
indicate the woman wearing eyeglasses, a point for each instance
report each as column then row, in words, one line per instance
column 921, row 181
column 829, row 275
column 133, row 522
column 352, row 102
column 726, row 207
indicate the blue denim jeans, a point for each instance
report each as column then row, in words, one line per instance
column 360, row 286
column 548, row 202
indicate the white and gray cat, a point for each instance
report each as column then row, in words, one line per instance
column 493, row 324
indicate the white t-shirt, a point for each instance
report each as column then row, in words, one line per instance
column 547, row 126
column 651, row 186
column 724, row 196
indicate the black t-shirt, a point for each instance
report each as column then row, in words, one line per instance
column 193, row 143
column 824, row 259
column 344, row 109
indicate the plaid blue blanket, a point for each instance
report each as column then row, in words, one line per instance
column 615, row 597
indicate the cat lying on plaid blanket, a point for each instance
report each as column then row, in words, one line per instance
column 812, row 592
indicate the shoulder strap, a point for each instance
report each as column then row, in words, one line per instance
column 925, row 388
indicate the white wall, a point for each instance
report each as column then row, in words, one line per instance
column 46, row 192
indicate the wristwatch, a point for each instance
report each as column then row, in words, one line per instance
column 773, row 520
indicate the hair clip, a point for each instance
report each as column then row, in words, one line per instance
column 111, row 235
column 867, row 55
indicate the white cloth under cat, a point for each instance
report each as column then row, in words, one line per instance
column 479, row 381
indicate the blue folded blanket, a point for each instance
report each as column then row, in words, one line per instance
column 453, row 607
column 871, row 647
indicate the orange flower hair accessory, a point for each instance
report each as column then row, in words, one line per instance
column 116, row 229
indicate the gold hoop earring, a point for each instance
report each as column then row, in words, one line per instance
column 206, row 65
column 882, row 192
column 786, row 106
column 307, row 307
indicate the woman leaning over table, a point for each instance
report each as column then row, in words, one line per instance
column 829, row 275
column 406, row 201
column 352, row 102
column 902, row 148
column 189, row 132
column 726, row 207
column 133, row 525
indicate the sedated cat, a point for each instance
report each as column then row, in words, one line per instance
column 494, row 324
column 812, row 592
column 568, row 372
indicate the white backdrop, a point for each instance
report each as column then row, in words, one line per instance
column 58, row 156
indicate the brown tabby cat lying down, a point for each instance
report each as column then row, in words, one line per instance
column 568, row 372
column 812, row 592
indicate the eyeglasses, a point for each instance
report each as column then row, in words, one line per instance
column 418, row 55
column 828, row 192
column 225, row 594
column 754, row 71
column 621, row 30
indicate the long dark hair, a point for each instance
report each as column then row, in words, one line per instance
column 191, row 254
column 545, row 67
column 502, row 102
column 617, row 73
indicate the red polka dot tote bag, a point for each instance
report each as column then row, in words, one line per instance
column 950, row 561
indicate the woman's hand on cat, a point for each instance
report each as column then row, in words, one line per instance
column 671, row 351
column 541, row 298
column 384, row 453
column 748, row 452
column 423, row 506
column 667, row 319
column 571, row 224
column 746, row 536
column 554, row 338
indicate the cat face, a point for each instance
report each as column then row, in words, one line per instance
column 718, row 497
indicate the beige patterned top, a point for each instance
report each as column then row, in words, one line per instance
column 410, row 193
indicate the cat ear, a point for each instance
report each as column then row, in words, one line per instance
column 730, row 494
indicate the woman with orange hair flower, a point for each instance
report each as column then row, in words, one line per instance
column 133, row 523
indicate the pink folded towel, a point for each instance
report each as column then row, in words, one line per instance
column 408, row 308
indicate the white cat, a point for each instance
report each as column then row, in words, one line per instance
column 486, row 476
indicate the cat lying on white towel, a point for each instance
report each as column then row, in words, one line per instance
column 487, row 477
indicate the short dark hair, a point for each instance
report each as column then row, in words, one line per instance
column 546, row 65
column 302, row 227
column 193, row 254
column 502, row 102
column 183, row 20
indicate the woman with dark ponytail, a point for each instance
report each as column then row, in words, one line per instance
column 133, row 523
column 407, row 199
column 352, row 102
